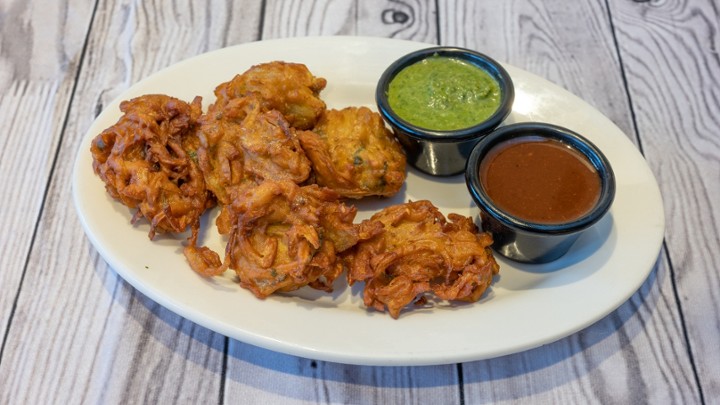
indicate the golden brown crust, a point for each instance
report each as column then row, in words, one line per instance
column 285, row 237
column 148, row 161
column 252, row 151
column 241, row 145
column 353, row 153
column 289, row 88
column 419, row 252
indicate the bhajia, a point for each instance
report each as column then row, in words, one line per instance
column 418, row 251
column 284, row 237
column 169, row 161
column 242, row 145
column 353, row 153
column 147, row 161
column 289, row 88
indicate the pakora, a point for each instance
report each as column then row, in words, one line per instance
column 147, row 161
column 417, row 252
column 243, row 145
column 284, row 237
column 289, row 88
column 279, row 164
column 353, row 153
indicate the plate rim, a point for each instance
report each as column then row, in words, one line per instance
column 176, row 306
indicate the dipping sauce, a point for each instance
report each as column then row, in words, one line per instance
column 540, row 180
column 443, row 93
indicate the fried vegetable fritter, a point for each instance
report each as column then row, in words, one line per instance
column 289, row 88
column 241, row 145
column 419, row 252
column 148, row 161
column 284, row 237
column 279, row 163
column 353, row 153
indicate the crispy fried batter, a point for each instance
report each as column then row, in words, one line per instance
column 286, row 237
column 166, row 159
column 242, row 145
column 353, row 153
column 148, row 161
column 289, row 88
column 418, row 251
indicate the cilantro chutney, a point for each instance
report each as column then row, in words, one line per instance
column 444, row 93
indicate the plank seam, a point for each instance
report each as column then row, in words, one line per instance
column 437, row 22
column 461, row 383
column 671, row 269
column 261, row 26
column 226, row 345
column 223, row 371
column 53, row 166
column 458, row 366
column 686, row 336
column 623, row 75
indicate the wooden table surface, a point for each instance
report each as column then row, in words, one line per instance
column 72, row 331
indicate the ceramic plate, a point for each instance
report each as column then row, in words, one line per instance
column 527, row 306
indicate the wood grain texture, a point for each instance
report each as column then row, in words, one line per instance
column 573, row 46
column 570, row 45
column 670, row 50
column 406, row 19
column 40, row 48
column 627, row 357
column 259, row 376
column 253, row 373
column 79, row 333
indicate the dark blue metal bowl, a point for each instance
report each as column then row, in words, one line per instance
column 443, row 153
column 526, row 241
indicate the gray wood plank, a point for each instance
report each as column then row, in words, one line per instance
column 80, row 333
column 414, row 20
column 620, row 359
column 572, row 44
column 259, row 376
column 252, row 372
column 39, row 54
column 670, row 54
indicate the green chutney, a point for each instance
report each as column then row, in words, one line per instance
column 443, row 93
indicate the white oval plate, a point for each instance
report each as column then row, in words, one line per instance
column 527, row 306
